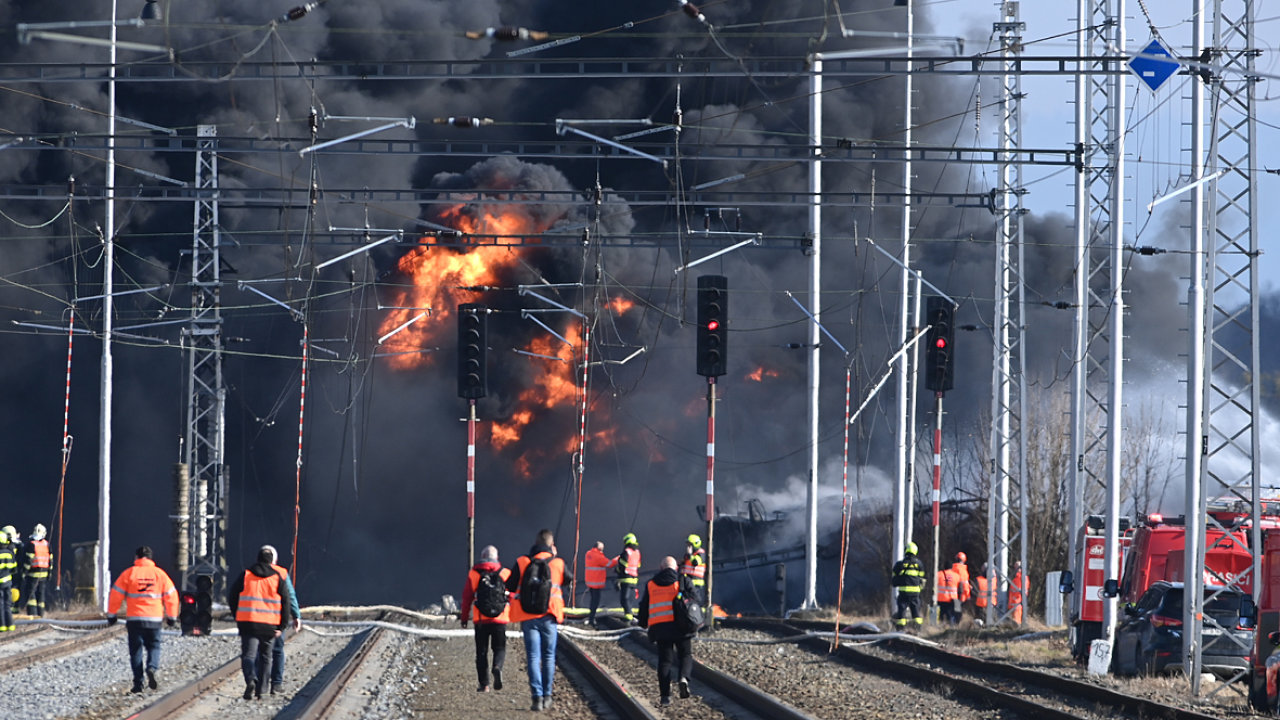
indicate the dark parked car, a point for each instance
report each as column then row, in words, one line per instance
column 1149, row 637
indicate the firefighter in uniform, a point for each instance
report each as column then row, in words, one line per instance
column 1017, row 587
column 909, row 579
column 260, row 601
column 627, row 567
column 963, row 589
column 35, row 565
column 694, row 567
column 596, row 576
column 149, row 597
column 948, row 596
column 7, row 566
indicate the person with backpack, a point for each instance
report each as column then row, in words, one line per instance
column 659, row 613
column 484, row 600
column 537, row 603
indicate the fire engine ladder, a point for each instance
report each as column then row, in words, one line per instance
column 1231, row 461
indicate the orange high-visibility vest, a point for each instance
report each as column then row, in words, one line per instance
column 962, row 587
column 981, row 598
column 1017, row 586
column 596, row 564
column 695, row 566
column 630, row 560
column 260, row 601
column 947, row 585
column 473, row 577
column 147, row 592
column 40, row 558
column 556, row 606
column 662, row 602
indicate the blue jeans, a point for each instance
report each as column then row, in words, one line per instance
column 277, row 661
column 143, row 640
column 540, row 653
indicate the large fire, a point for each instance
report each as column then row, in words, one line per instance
column 442, row 277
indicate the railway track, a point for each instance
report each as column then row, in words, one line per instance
column 1027, row 692
column 29, row 648
column 716, row 694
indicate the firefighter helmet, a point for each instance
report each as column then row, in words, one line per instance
column 694, row 541
column 38, row 532
column 630, row 539
column 912, row 549
column 11, row 532
column 4, row 537
column 961, row 557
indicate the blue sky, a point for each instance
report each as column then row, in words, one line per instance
column 1157, row 137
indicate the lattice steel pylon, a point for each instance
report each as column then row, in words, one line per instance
column 206, row 395
column 1099, row 184
column 1008, row 373
column 1231, row 467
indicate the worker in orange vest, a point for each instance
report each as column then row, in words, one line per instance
column 658, row 613
column 277, row 649
column 537, row 603
column 149, row 597
column 260, row 601
column 596, row 576
column 963, row 590
column 1017, row 587
column 982, row 595
column 484, row 600
column 35, row 567
column 948, row 596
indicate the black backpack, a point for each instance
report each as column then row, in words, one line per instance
column 535, row 586
column 689, row 616
column 491, row 594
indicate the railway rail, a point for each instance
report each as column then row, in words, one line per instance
column 30, row 655
column 1022, row 690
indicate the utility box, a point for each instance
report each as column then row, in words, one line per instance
column 84, row 572
column 1053, row 600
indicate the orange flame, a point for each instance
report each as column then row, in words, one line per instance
column 759, row 374
column 620, row 305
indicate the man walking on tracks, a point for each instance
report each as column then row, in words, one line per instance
column 261, row 603
column 538, row 605
column 658, row 613
column 908, row 578
column 277, row 649
column 484, row 600
column 149, row 598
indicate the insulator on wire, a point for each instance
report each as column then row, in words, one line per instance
column 508, row 34
column 298, row 12
column 692, row 11
column 463, row 121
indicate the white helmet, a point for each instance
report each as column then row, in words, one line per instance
column 4, row 537
column 12, row 533
column 38, row 532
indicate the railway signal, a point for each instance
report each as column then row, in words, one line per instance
column 939, row 371
column 713, row 318
column 473, row 337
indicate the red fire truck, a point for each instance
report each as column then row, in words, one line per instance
column 1086, row 599
column 1158, row 553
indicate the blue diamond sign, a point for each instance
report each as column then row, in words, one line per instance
column 1154, row 65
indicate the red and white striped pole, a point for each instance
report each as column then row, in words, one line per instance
column 471, row 482
column 66, row 449
column 937, row 491
column 711, row 491
column 582, row 452
column 844, row 502
column 297, row 483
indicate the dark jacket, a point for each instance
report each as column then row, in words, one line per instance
column 262, row 570
column 667, row 631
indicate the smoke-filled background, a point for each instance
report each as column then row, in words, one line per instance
column 382, row 512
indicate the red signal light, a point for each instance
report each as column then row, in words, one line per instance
column 941, row 343
column 713, row 325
